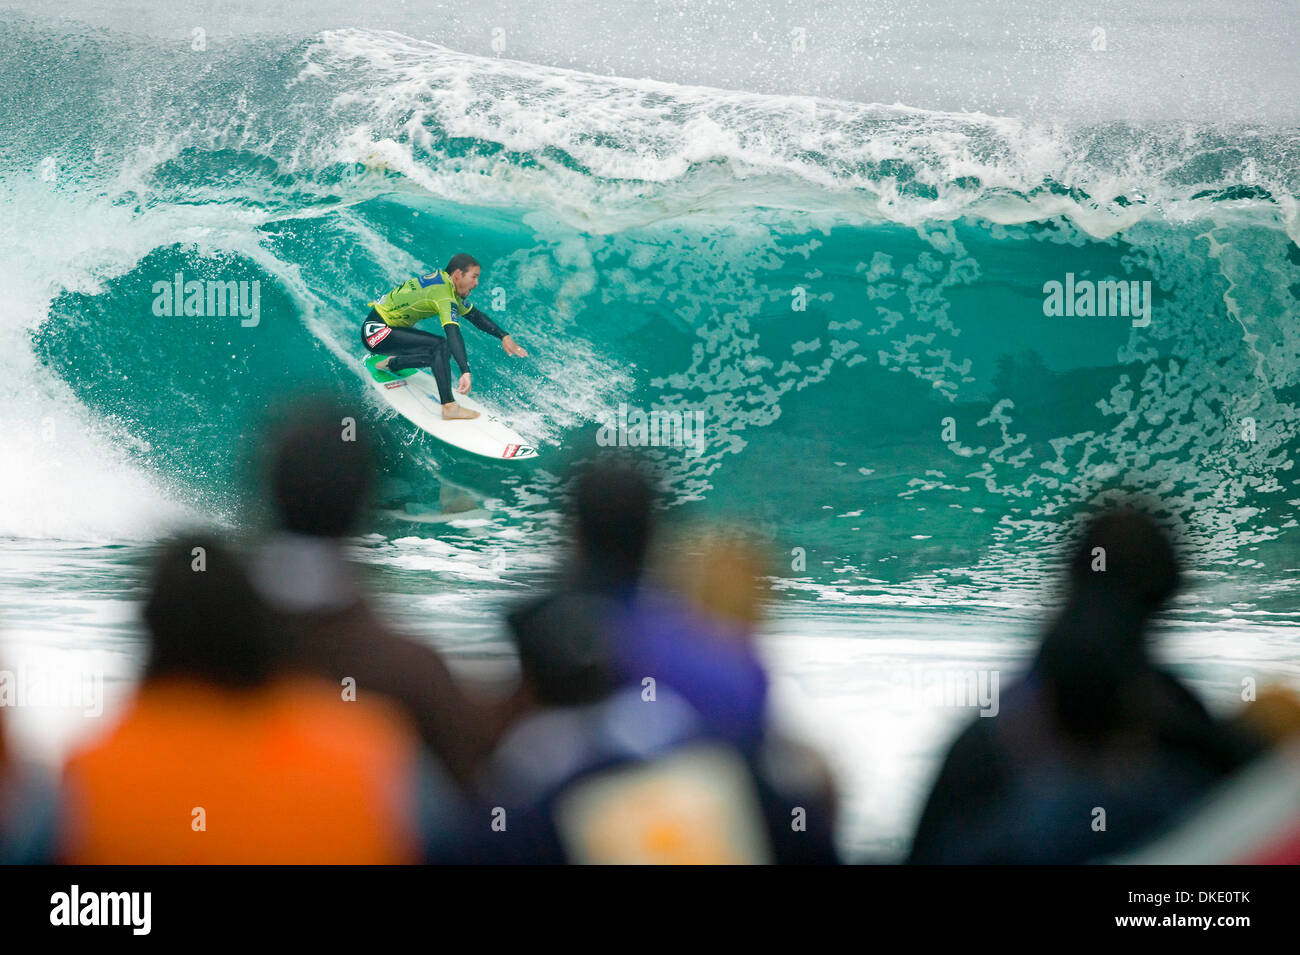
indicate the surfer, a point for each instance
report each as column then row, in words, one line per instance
column 389, row 328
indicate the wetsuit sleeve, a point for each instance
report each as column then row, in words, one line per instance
column 457, row 345
column 484, row 324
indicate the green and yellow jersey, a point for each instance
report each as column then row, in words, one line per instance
column 422, row 297
column 434, row 294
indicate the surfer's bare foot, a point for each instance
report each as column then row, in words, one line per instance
column 382, row 364
column 453, row 411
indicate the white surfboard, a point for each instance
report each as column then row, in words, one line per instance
column 414, row 394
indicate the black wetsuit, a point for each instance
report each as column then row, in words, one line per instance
column 413, row 348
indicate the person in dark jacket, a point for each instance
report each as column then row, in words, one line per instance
column 1097, row 749
column 321, row 474
column 601, row 765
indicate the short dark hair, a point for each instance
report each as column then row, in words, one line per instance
column 564, row 647
column 320, row 478
column 205, row 620
column 1139, row 556
column 460, row 262
column 612, row 507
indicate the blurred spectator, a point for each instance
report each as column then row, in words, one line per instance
column 1273, row 716
column 215, row 761
column 721, row 574
column 659, row 636
column 1254, row 817
column 1097, row 749
column 645, row 633
column 592, row 771
column 321, row 475
column 642, row 736
column 27, row 800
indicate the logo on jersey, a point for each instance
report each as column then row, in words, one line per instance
column 375, row 333
column 433, row 278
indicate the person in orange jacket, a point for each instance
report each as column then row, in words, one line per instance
column 218, row 761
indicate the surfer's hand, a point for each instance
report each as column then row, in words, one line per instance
column 511, row 348
column 463, row 386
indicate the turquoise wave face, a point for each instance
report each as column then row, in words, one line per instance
column 907, row 347
column 893, row 401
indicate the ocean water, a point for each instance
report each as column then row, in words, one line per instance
column 831, row 248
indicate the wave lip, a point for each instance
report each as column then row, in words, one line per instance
column 611, row 151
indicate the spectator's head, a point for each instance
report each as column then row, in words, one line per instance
column 1125, row 553
column 564, row 651
column 722, row 573
column 613, row 517
column 1094, row 660
column 205, row 621
column 1274, row 715
column 322, row 468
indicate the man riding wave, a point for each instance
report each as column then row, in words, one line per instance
column 389, row 328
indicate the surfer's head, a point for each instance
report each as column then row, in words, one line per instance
column 464, row 271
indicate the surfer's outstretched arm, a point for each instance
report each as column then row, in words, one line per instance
column 480, row 321
column 484, row 324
